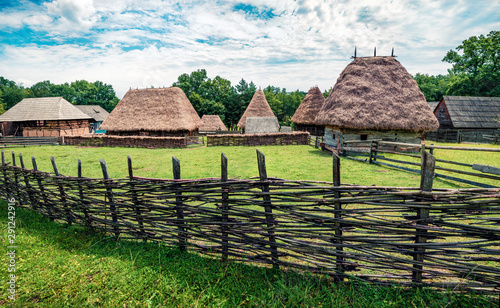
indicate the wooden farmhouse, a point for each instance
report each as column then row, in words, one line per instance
column 308, row 110
column 258, row 107
column 156, row 112
column 44, row 117
column 375, row 98
column 97, row 113
column 468, row 113
column 211, row 124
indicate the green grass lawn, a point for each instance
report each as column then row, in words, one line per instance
column 289, row 162
column 61, row 266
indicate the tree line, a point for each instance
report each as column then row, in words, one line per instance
column 475, row 72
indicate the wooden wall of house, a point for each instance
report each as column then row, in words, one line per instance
column 443, row 116
column 314, row 130
column 48, row 128
column 332, row 137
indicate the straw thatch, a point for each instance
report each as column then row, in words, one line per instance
column 258, row 107
column 467, row 112
column 158, row 110
column 95, row 111
column 377, row 94
column 211, row 123
column 261, row 125
column 309, row 108
column 43, row 109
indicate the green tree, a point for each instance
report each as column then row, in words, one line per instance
column 476, row 66
column 433, row 87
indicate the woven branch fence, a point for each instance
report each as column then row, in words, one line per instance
column 293, row 138
column 385, row 235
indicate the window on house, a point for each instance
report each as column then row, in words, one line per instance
column 363, row 137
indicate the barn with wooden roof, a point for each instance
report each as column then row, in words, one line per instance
column 307, row 111
column 375, row 98
column 153, row 112
column 211, row 124
column 258, row 107
column 97, row 113
column 44, row 117
column 467, row 118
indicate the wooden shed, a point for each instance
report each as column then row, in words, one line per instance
column 211, row 124
column 262, row 125
column 97, row 113
column 308, row 110
column 44, row 117
column 258, row 107
column 375, row 98
column 153, row 112
column 467, row 118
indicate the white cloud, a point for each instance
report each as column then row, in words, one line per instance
column 72, row 14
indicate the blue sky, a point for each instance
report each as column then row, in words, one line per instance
column 288, row 44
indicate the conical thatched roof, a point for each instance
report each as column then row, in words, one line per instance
column 309, row 108
column 211, row 123
column 162, row 109
column 377, row 93
column 258, row 107
column 43, row 109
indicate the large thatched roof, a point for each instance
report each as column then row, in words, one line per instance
column 258, row 107
column 309, row 108
column 211, row 123
column 377, row 93
column 162, row 109
column 43, row 109
column 95, row 111
column 473, row 112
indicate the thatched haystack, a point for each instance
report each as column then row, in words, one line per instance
column 262, row 125
column 376, row 97
column 258, row 107
column 43, row 117
column 305, row 115
column 212, row 123
column 153, row 112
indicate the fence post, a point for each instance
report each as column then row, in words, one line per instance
column 338, row 216
column 29, row 189
column 176, row 167
column 42, row 189
column 61, row 191
column 16, row 178
column 225, row 208
column 85, row 204
column 109, row 196
column 4, row 170
column 426, row 180
column 261, row 161
column 135, row 200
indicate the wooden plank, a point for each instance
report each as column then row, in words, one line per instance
column 261, row 161
column 486, row 169
column 225, row 209
column 461, row 148
column 110, row 197
column 339, row 260
column 176, row 168
column 135, row 201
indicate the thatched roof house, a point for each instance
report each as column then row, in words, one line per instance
column 375, row 97
column 153, row 112
column 308, row 110
column 258, row 107
column 212, row 123
column 467, row 112
column 97, row 113
column 44, row 116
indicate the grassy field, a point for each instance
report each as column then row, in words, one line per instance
column 61, row 266
column 289, row 162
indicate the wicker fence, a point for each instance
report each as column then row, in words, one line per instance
column 294, row 138
column 127, row 141
column 436, row 237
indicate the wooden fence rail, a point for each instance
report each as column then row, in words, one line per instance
column 370, row 151
column 435, row 237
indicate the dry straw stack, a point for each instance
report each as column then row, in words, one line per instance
column 377, row 93
column 309, row 108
